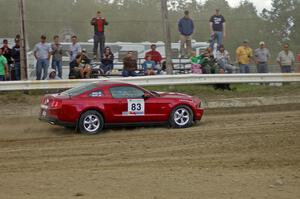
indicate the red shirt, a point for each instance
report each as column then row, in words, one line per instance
column 99, row 23
column 299, row 57
column 155, row 56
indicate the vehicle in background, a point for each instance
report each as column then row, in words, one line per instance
column 119, row 49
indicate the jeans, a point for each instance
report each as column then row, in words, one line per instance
column 286, row 69
column 99, row 38
column 106, row 68
column 244, row 68
column 218, row 35
column 42, row 67
column 225, row 66
column 57, row 66
column 17, row 71
column 2, row 77
column 126, row 73
column 262, row 67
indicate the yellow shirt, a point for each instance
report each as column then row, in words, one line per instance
column 244, row 54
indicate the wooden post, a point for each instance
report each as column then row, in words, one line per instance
column 23, row 54
column 167, row 36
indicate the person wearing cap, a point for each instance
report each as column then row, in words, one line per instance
column 217, row 28
column 99, row 38
column 244, row 55
column 52, row 75
column 262, row 56
column 57, row 53
column 186, row 29
column 15, row 54
column 286, row 59
column 42, row 53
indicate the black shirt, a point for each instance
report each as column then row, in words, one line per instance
column 15, row 53
column 217, row 22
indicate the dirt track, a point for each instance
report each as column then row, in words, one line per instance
column 246, row 153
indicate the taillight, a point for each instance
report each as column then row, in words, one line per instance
column 55, row 104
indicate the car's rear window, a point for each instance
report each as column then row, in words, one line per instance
column 80, row 89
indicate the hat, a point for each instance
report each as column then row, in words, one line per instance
column 83, row 50
column 52, row 70
column 262, row 43
column 246, row 41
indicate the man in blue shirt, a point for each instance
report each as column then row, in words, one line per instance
column 186, row 29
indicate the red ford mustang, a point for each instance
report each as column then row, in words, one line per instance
column 92, row 106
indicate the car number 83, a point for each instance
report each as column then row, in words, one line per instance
column 136, row 106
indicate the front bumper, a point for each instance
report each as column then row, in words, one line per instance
column 198, row 114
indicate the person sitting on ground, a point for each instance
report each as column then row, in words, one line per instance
column 107, row 61
column 195, row 63
column 52, row 75
column 223, row 60
column 208, row 62
column 149, row 66
column 79, row 70
column 129, row 65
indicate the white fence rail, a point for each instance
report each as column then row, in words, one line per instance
column 156, row 80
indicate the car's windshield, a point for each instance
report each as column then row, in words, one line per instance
column 155, row 93
column 80, row 89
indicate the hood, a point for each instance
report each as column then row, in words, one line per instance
column 174, row 95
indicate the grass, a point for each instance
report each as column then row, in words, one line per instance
column 206, row 92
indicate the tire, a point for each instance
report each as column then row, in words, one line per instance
column 90, row 122
column 181, row 117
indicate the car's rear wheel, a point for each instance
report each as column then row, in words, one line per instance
column 90, row 122
column 181, row 117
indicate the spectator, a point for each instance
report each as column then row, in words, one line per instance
column 75, row 48
column 7, row 52
column 129, row 65
column 4, row 71
column 186, row 29
column 195, row 63
column 52, row 75
column 99, row 38
column 244, row 55
column 79, row 70
column 262, row 56
column 299, row 61
column 149, row 66
column 208, row 62
column 217, row 28
column 84, row 57
column 42, row 53
column 15, row 54
column 57, row 52
column 286, row 59
column 107, row 61
column 223, row 60
column 155, row 55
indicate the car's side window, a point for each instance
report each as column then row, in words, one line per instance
column 96, row 94
column 126, row 92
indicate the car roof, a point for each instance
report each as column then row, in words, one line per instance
column 108, row 83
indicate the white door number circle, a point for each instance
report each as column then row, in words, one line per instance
column 136, row 107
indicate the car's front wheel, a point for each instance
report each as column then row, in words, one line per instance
column 90, row 122
column 181, row 117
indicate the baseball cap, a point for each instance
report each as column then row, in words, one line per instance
column 262, row 43
column 246, row 41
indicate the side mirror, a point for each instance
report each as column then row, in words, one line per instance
column 147, row 95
